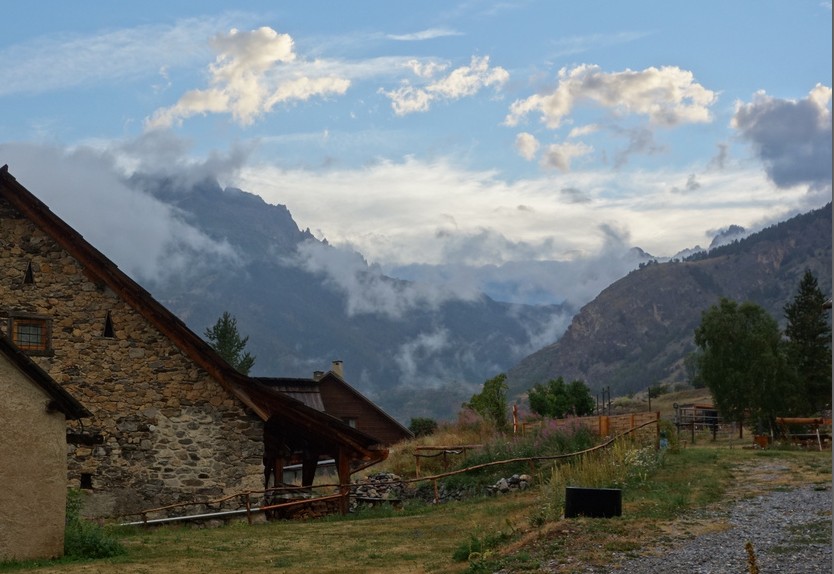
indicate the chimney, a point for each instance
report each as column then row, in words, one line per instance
column 317, row 375
column 337, row 369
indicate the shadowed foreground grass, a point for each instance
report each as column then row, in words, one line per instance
column 424, row 539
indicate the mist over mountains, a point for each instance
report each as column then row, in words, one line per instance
column 416, row 349
column 421, row 344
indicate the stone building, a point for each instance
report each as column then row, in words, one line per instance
column 33, row 413
column 171, row 420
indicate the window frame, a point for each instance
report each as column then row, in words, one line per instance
column 44, row 347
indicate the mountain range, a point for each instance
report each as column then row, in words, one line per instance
column 638, row 332
column 419, row 350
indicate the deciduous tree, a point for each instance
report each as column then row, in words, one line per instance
column 741, row 362
column 557, row 399
column 491, row 402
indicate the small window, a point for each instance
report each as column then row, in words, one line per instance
column 30, row 334
column 108, row 327
column 351, row 422
column 86, row 481
column 29, row 276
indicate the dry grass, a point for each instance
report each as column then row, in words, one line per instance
column 423, row 539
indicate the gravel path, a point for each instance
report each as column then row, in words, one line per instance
column 790, row 532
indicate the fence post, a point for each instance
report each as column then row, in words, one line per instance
column 248, row 510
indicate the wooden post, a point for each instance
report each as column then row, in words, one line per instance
column 436, row 495
column 248, row 510
column 343, row 469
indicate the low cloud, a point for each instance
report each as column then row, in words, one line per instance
column 521, row 276
column 88, row 190
column 792, row 138
column 366, row 289
column 253, row 72
column 413, row 355
column 461, row 82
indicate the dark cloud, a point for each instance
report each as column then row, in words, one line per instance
column 792, row 138
column 691, row 185
column 574, row 195
column 162, row 154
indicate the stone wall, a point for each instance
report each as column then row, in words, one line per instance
column 168, row 431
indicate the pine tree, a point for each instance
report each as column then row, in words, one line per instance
column 808, row 347
column 225, row 339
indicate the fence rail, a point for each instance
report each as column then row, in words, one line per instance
column 343, row 491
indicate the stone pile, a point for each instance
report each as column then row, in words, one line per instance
column 382, row 487
column 513, row 483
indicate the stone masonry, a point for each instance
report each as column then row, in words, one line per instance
column 162, row 429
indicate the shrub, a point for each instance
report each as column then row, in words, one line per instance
column 422, row 426
column 85, row 540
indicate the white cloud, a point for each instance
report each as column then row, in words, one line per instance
column 461, row 82
column 425, row 69
column 527, row 145
column 668, row 96
column 245, row 81
column 559, row 156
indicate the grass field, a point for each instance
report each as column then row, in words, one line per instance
column 493, row 532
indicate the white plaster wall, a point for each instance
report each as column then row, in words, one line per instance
column 33, row 476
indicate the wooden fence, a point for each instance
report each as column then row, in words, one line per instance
column 604, row 425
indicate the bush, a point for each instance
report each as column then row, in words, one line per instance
column 84, row 540
column 422, row 426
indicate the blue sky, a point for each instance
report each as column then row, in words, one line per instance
column 443, row 140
